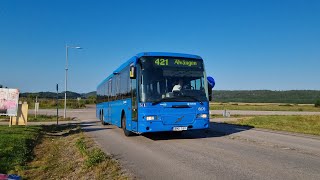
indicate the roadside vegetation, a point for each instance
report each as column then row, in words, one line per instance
column 317, row 104
column 264, row 107
column 267, row 96
column 16, row 145
column 47, row 100
column 54, row 152
column 40, row 118
column 292, row 123
column 47, row 118
column 52, row 104
column 292, row 98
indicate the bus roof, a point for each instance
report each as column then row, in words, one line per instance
column 168, row 54
column 139, row 55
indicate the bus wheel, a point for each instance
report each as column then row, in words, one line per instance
column 123, row 121
column 102, row 119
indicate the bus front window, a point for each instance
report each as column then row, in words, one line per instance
column 161, row 79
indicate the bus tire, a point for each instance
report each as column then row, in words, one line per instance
column 102, row 119
column 123, row 124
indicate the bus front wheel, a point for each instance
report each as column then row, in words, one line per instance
column 123, row 121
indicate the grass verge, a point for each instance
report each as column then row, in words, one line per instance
column 47, row 118
column 54, row 152
column 297, row 124
column 16, row 144
column 66, row 153
column 40, row 118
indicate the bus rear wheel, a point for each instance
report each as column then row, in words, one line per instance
column 123, row 121
column 102, row 119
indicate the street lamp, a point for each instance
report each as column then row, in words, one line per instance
column 66, row 78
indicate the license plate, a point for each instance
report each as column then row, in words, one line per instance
column 179, row 128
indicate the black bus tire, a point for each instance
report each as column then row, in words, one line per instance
column 102, row 119
column 123, row 123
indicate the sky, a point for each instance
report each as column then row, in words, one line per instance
column 245, row 44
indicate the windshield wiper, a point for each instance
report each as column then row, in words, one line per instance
column 194, row 98
column 161, row 100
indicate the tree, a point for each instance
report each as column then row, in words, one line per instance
column 317, row 104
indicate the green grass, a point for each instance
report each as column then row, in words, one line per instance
column 297, row 124
column 16, row 144
column 4, row 118
column 46, row 118
column 54, row 152
column 231, row 116
column 40, row 118
column 52, row 104
column 267, row 96
column 263, row 107
column 92, row 156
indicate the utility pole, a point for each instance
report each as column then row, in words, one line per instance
column 57, row 87
column 66, row 79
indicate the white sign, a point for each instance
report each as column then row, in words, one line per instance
column 9, row 99
column 36, row 106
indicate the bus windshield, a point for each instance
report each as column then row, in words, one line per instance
column 165, row 79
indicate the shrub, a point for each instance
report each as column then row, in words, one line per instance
column 285, row 105
column 317, row 104
column 95, row 156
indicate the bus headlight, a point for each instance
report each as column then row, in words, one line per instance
column 202, row 116
column 151, row 118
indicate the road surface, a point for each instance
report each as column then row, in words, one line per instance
column 224, row 152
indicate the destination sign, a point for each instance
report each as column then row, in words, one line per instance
column 176, row 62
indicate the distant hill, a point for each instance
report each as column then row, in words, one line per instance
column 86, row 95
column 246, row 96
column 52, row 95
column 267, row 96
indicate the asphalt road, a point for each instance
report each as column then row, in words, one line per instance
column 224, row 152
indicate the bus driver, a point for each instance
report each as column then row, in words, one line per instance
column 178, row 86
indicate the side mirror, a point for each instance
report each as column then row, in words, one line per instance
column 211, row 84
column 133, row 72
column 210, row 92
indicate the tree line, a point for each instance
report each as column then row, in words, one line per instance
column 246, row 96
column 53, row 95
column 267, row 96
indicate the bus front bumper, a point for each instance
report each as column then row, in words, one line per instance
column 158, row 126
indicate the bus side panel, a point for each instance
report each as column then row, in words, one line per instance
column 116, row 112
column 106, row 112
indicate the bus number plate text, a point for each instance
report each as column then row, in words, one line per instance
column 180, row 128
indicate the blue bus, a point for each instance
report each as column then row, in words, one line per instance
column 154, row 92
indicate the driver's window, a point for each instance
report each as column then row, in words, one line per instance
column 197, row 84
column 193, row 84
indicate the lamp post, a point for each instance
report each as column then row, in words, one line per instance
column 66, row 79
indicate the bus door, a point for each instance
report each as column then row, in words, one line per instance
column 134, row 106
column 109, row 106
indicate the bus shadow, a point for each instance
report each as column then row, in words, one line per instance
column 94, row 129
column 215, row 130
column 91, row 126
